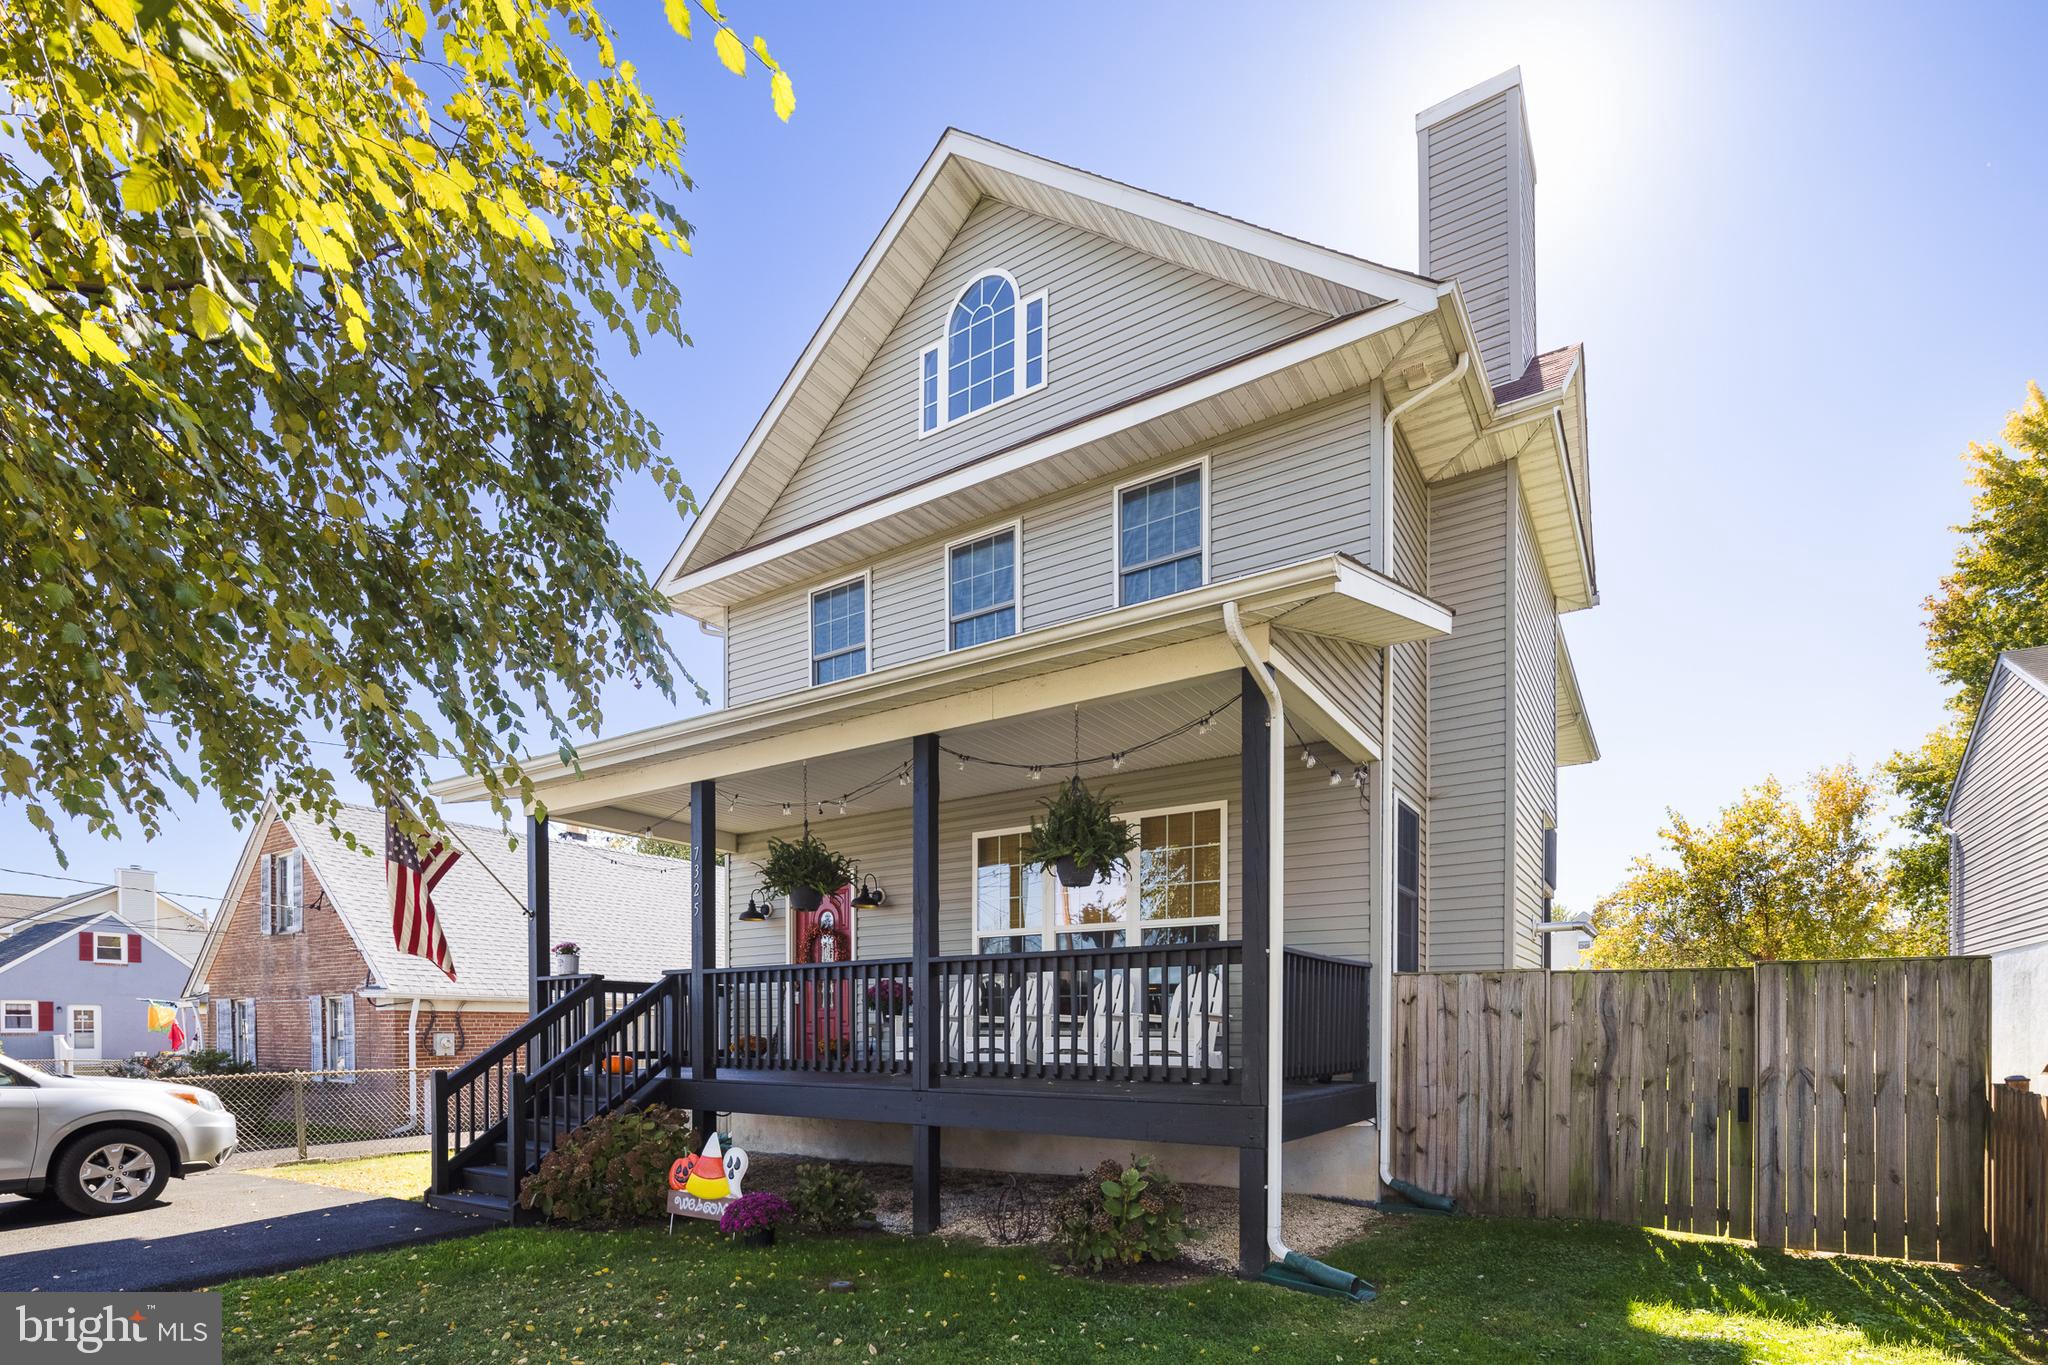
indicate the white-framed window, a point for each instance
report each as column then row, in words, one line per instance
column 17, row 1016
column 1162, row 535
column 332, row 1026
column 281, row 892
column 981, row 588
column 110, row 947
column 234, row 1028
column 839, row 631
column 994, row 348
column 1176, row 892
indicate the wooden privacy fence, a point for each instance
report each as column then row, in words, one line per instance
column 1832, row 1105
column 2019, row 1188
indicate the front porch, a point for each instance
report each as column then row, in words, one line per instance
column 977, row 994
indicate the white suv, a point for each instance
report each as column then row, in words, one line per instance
column 102, row 1144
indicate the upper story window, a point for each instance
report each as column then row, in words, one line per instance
column 990, row 336
column 981, row 589
column 281, row 893
column 1159, row 533
column 839, row 631
column 109, row 947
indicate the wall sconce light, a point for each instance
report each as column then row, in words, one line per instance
column 756, row 911
column 870, row 895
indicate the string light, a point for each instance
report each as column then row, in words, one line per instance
column 785, row 808
column 1308, row 758
column 1336, row 778
column 1116, row 760
column 1037, row 773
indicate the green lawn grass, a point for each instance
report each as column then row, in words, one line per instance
column 1451, row 1289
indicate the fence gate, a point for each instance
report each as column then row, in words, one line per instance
column 1834, row 1105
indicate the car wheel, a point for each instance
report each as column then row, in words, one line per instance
column 111, row 1171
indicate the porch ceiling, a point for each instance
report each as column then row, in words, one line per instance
column 752, row 802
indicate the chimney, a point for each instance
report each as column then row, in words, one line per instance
column 135, row 896
column 1478, row 215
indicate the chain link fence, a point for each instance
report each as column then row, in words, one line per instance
column 307, row 1110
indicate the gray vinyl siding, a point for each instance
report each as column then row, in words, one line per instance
column 1477, row 190
column 1348, row 674
column 1470, row 554
column 1120, row 322
column 1999, row 821
column 1408, row 746
column 1328, row 862
column 1535, row 748
column 1297, row 488
column 1287, row 491
column 767, row 647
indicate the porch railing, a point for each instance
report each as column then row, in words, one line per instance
column 1162, row 1013
column 470, row 1105
column 1326, row 1022
column 847, row 1018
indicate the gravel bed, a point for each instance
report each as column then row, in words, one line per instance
column 999, row 1208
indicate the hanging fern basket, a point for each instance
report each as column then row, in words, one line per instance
column 1072, row 874
column 806, row 898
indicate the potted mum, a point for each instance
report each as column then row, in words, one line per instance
column 805, row 871
column 568, row 959
column 750, row 1219
column 1080, row 837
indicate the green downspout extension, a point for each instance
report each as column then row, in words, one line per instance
column 1307, row 1275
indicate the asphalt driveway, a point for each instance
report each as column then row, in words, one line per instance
column 210, row 1227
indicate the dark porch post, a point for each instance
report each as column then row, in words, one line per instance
column 538, row 929
column 703, row 940
column 924, row 946
column 1255, row 757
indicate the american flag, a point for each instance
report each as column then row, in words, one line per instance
column 409, row 882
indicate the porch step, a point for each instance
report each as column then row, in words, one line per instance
column 495, row 1181
column 491, row 1206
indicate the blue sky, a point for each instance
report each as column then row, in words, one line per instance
column 1800, row 243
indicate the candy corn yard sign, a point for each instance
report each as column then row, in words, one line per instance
column 701, row 1186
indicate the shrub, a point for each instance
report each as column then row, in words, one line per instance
column 827, row 1198
column 756, row 1212
column 614, row 1167
column 1120, row 1216
column 205, row 1061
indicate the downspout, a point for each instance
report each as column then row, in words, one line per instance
column 412, row 1069
column 1276, row 920
column 1383, row 1033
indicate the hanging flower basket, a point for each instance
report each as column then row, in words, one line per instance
column 1080, row 837
column 805, row 871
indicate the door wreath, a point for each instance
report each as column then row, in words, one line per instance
column 826, row 928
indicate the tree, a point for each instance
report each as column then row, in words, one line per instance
column 1994, row 598
column 1770, row 880
column 301, row 420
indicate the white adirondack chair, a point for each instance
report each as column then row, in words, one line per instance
column 1032, row 1035
column 1194, row 1021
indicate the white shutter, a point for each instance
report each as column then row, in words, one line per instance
column 316, row 1030
column 347, row 1060
column 263, row 907
column 296, row 912
column 249, row 1031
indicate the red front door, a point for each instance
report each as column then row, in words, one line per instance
column 825, row 1016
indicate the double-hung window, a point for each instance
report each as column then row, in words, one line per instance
column 1159, row 535
column 109, row 947
column 839, row 631
column 981, row 589
column 18, row 1016
column 1173, row 895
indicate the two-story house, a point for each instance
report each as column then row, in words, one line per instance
column 1266, row 540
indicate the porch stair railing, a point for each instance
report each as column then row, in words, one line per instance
column 598, row 1045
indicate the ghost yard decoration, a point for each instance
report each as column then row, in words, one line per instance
column 701, row 1186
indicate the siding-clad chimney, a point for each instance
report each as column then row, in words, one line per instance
column 135, row 897
column 1478, row 215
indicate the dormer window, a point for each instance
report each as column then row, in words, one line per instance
column 994, row 349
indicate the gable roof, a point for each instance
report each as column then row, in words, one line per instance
column 31, row 939
column 2024, row 667
column 16, row 906
column 627, row 911
column 961, row 170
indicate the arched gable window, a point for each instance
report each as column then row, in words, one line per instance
column 990, row 337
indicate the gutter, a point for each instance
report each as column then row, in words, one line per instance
column 1276, row 922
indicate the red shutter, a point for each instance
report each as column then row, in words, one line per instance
column 85, row 946
column 46, row 1016
column 134, row 948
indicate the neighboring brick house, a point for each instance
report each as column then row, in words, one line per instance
column 300, row 972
